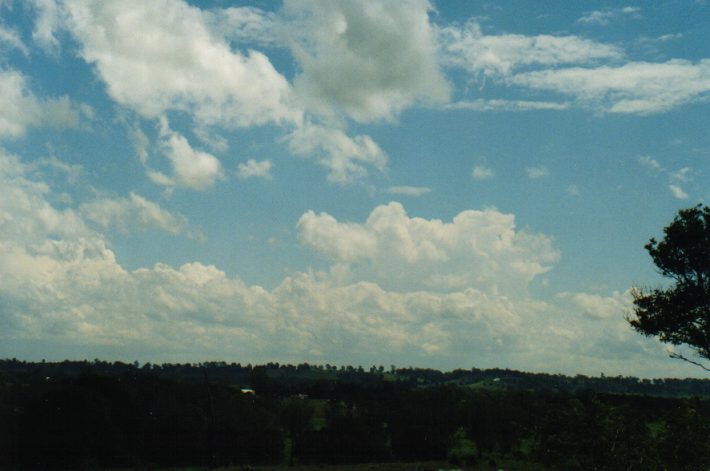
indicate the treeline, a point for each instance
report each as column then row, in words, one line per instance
column 90, row 419
column 287, row 378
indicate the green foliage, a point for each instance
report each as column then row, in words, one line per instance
column 679, row 314
column 462, row 450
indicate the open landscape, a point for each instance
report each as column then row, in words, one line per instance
column 101, row 415
column 354, row 235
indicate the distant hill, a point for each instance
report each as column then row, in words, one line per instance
column 303, row 377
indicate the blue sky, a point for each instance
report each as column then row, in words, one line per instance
column 446, row 185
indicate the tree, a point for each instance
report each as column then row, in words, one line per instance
column 679, row 314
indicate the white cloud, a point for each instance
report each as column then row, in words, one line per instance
column 481, row 172
column 20, row 109
column 134, row 213
column 11, row 39
column 506, row 105
column 572, row 190
column 635, row 87
column 477, row 248
column 535, row 173
column 190, row 168
column 409, row 190
column 160, row 55
column 678, row 192
column 650, row 163
column 683, row 175
column 46, row 24
column 62, row 287
column 246, row 24
column 345, row 157
column 598, row 306
column 368, row 60
column 254, row 169
column 500, row 55
column 606, row 16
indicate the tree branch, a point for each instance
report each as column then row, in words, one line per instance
column 681, row 357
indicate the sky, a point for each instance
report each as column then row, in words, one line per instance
column 449, row 185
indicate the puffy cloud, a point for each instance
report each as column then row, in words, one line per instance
column 134, row 213
column 191, row 168
column 61, row 286
column 254, row 169
column 160, row 55
column 500, row 55
column 20, row 109
column 597, row 306
column 635, row 87
column 366, row 60
column 345, row 157
column 481, row 172
column 477, row 248
column 678, row 192
column 650, row 163
column 408, row 190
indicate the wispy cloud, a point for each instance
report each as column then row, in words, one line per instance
column 409, row 190
column 608, row 15
column 506, row 105
column 632, row 88
column 469, row 48
column 535, row 173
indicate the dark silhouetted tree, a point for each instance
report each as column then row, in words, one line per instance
column 679, row 314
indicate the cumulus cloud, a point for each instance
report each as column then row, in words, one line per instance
column 160, row 55
column 481, row 172
column 61, row 285
column 635, row 87
column 597, row 306
column 254, row 169
column 477, row 248
column 190, row 168
column 678, row 192
column 20, row 109
column 345, row 157
column 409, row 190
column 469, row 48
column 134, row 213
column 366, row 60
column 649, row 162
column 676, row 179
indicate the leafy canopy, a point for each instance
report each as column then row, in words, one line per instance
column 679, row 314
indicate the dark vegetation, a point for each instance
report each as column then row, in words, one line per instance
column 680, row 313
column 106, row 415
